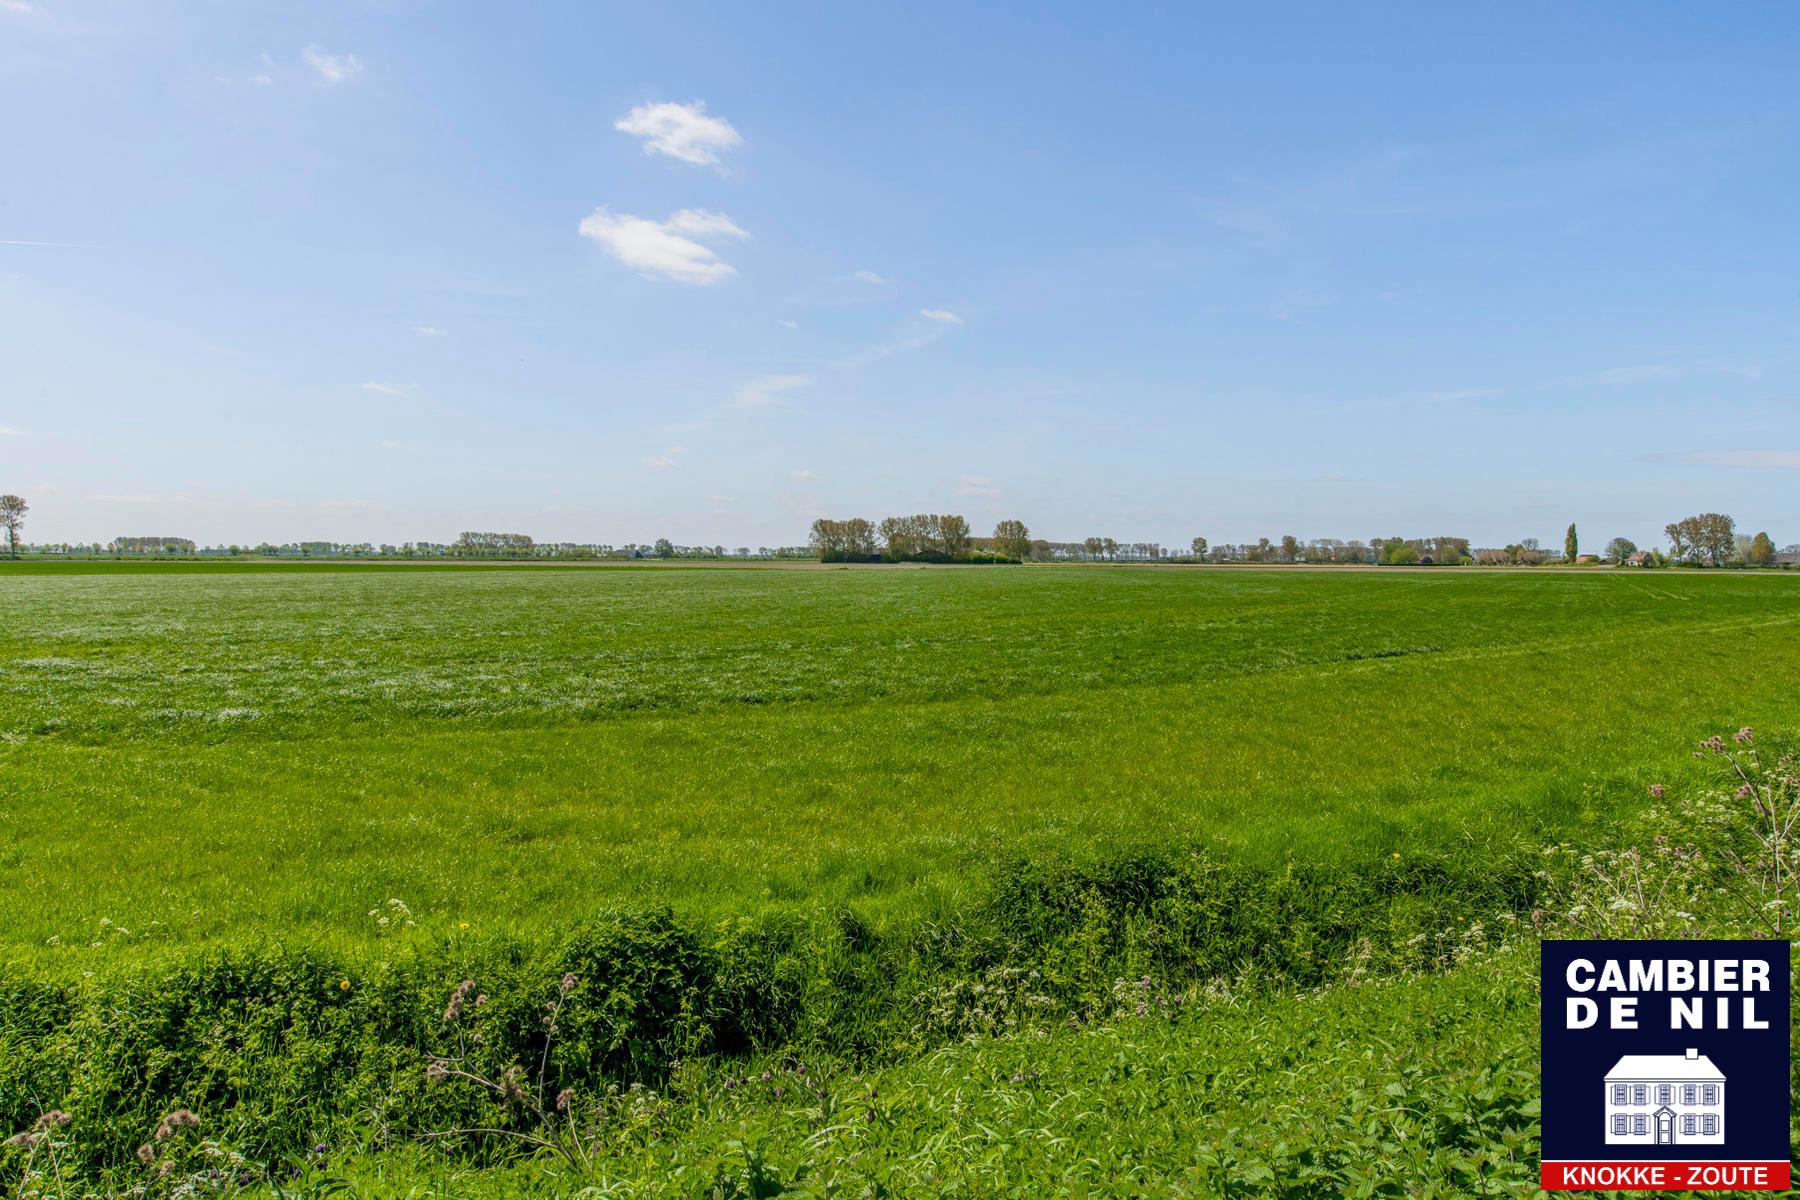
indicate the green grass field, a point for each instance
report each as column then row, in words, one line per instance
column 948, row 837
column 196, row 752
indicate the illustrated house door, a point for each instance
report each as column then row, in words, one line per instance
column 1665, row 1126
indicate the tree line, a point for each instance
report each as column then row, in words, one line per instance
column 1705, row 539
column 922, row 537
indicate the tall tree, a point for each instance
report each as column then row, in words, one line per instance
column 1762, row 550
column 1198, row 545
column 953, row 534
column 1620, row 549
column 12, row 519
column 1290, row 547
column 665, row 548
column 1677, row 534
column 1715, row 539
column 1012, row 539
column 1571, row 545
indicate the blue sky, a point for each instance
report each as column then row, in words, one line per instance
column 389, row 271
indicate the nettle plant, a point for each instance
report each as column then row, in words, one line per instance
column 1724, row 861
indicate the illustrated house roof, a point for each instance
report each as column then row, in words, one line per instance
column 1665, row 1066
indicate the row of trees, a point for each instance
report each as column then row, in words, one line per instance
column 923, row 537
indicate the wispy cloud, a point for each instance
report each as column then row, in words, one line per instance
column 332, row 68
column 114, row 498
column 399, row 447
column 390, row 389
column 64, row 245
column 665, row 249
column 867, row 277
column 789, row 324
column 680, row 131
column 1754, row 459
column 17, row 6
column 430, row 331
column 355, row 504
column 768, row 390
column 804, row 476
column 941, row 314
column 977, row 485
column 668, row 460
column 9, row 431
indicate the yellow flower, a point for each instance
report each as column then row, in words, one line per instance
column 343, row 985
column 1396, row 854
column 462, row 925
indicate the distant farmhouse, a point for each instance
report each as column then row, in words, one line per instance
column 1665, row 1100
column 1639, row 558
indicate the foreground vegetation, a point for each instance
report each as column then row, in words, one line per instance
column 1094, row 880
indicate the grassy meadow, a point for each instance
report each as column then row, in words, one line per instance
column 257, row 822
column 197, row 753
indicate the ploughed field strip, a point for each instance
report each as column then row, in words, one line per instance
column 188, row 754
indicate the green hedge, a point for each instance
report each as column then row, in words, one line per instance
column 282, row 1048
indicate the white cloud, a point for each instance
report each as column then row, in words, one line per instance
column 666, row 461
column 332, row 68
column 803, row 476
column 1780, row 459
column 9, row 431
column 18, row 6
column 111, row 498
column 350, row 504
column 941, row 314
column 262, row 80
column 391, row 389
column 665, row 249
column 789, row 324
column 977, row 485
column 430, row 331
column 868, row 277
column 768, row 390
column 682, row 131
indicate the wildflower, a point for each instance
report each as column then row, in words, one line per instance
column 454, row 1009
column 55, row 1118
column 343, row 985
column 510, row 1088
column 1742, row 736
column 568, row 982
column 562, row 1099
column 1396, row 854
column 462, row 924
column 180, row 1119
column 1656, row 791
column 436, row 1070
column 23, row 1140
column 145, row 1154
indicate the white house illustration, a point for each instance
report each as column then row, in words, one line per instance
column 1665, row 1099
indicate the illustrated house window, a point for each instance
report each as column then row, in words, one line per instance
column 1619, row 1096
column 1637, row 1124
column 1619, row 1123
column 1687, row 1124
column 1710, row 1126
column 1687, row 1095
column 1640, row 1094
column 1709, row 1093
column 1665, row 1093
